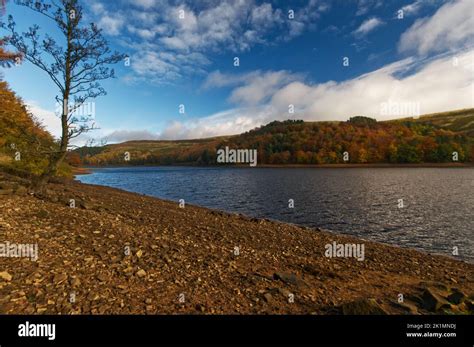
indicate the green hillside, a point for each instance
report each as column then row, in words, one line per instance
column 458, row 121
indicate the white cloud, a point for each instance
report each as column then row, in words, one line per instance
column 413, row 8
column 146, row 4
column 364, row 6
column 216, row 79
column 229, row 122
column 259, row 87
column 439, row 85
column 450, row 28
column 435, row 85
column 368, row 26
column 52, row 123
column 118, row 136
column 48, row 118
column 155, row 27
column 110, row 23
column 251, row 88
column 160, row 67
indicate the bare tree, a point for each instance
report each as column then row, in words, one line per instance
column 7, row 59
column 76, row 66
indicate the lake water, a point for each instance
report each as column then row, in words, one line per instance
column 437, row 212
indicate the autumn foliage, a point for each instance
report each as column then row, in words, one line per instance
column 359, row 140
column 23, row 141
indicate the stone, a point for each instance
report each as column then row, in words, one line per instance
column 285, row 292
column 42, row 214
column 470, row 306
column 85, row 205
column 288, row 278
column 200, row 308
column 76, row 282
column 432, row 301
column 268, row 297
column 21, row 190
column 6, row 276
column 102, row 277
column 407, row 306
column 6, row 185
column 141, row 273
column 363, row 307
column 456, row 297
column 59, row 278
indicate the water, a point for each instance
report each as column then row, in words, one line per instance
column 438, row 212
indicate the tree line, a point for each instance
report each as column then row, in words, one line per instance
column 359, row 140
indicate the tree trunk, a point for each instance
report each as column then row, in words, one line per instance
column 56, row 159
column 39, row 183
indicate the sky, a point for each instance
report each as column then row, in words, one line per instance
column 234, row 65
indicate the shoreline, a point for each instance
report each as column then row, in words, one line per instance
column 85, row 170
column 191, row 251
column 272, row 220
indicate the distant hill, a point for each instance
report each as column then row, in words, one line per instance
column 428, row 139
column 458, row 121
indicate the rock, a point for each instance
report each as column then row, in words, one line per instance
column 470, row 306
column 200, row 308
column 363, row 307
column 268, row 297
column 42, row 214
column 456, row 297
column 6, row 276
column 432, row 301
column 76, row 282
column 288, row 278
column 285, row 292
column 407, row 306
column 59, row 278
column 85, row 205
column 21, row 190
column 141, row 273
column 102, row 277
column 415, row 298
column 6, row 185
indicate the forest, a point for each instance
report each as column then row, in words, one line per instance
column 24, row 143
column 360, row 140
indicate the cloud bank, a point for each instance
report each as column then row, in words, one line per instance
column 449, row 29
column 441, row 84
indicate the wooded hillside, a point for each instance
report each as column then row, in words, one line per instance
column 428, row 139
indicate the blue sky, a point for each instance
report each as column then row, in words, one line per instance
column 419, row 60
